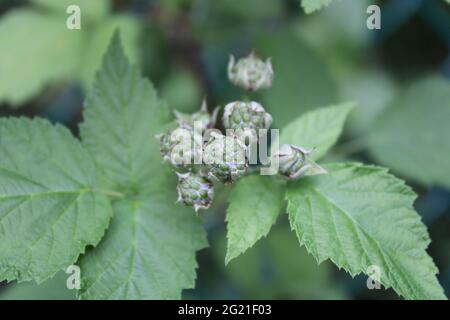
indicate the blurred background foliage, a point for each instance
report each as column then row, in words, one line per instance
column 399, row 77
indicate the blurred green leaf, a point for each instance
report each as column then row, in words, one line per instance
column 360, row 216
column 301, row 82
column 248, row 9
column 318, row 129
column 412, row 136
column 53, row 289
column 96, row 42
column 182, row 91
column 278, row 268
column 255, row 203
column 92, row 9
column 26, row 63
column 35, row 50
column 298, row 271
column 339, row 32
column 372, row 90
column 312, row 5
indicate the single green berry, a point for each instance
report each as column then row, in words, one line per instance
column 241, row 115
column 294, row 163
column 195, row 190
column 224, row 158
column 181, row 146
column 246, row 118
column 250, row 73
column 200, row 119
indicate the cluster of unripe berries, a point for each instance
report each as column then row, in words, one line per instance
column 202, row 154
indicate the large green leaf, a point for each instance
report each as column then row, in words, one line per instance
column 255, row 203
column 149, row 249
column 317, row 129
column 302, row 81
column 122, row 116
column 412, row 136
column 312, row 5
column 148, row 252
column 26, row 62
column 96, row 41
column 360, row 216
column 49, row 210
column 53, row 289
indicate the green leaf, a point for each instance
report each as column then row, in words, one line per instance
column 317, row 129
column 360, row 216
column 49, row 210
column 412, row 135
column 372, row 90
column 341, row 25
column 148, row 252
column 26, row 63
column 122, row 116
column 96, row 42
column 302, row 81
column 149, row 249
column 90, row 9
column 255, row 203
column 182, row 91
column 312, row 5
column 53, row 289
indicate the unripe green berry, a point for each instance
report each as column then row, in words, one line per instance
column 241, row 115
column 180, row 146
column 195, row 190
column 250, row 73
column 294, row 163
column 224, row 158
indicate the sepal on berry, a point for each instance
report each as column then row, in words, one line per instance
column 202, row 118
column 294, row 162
